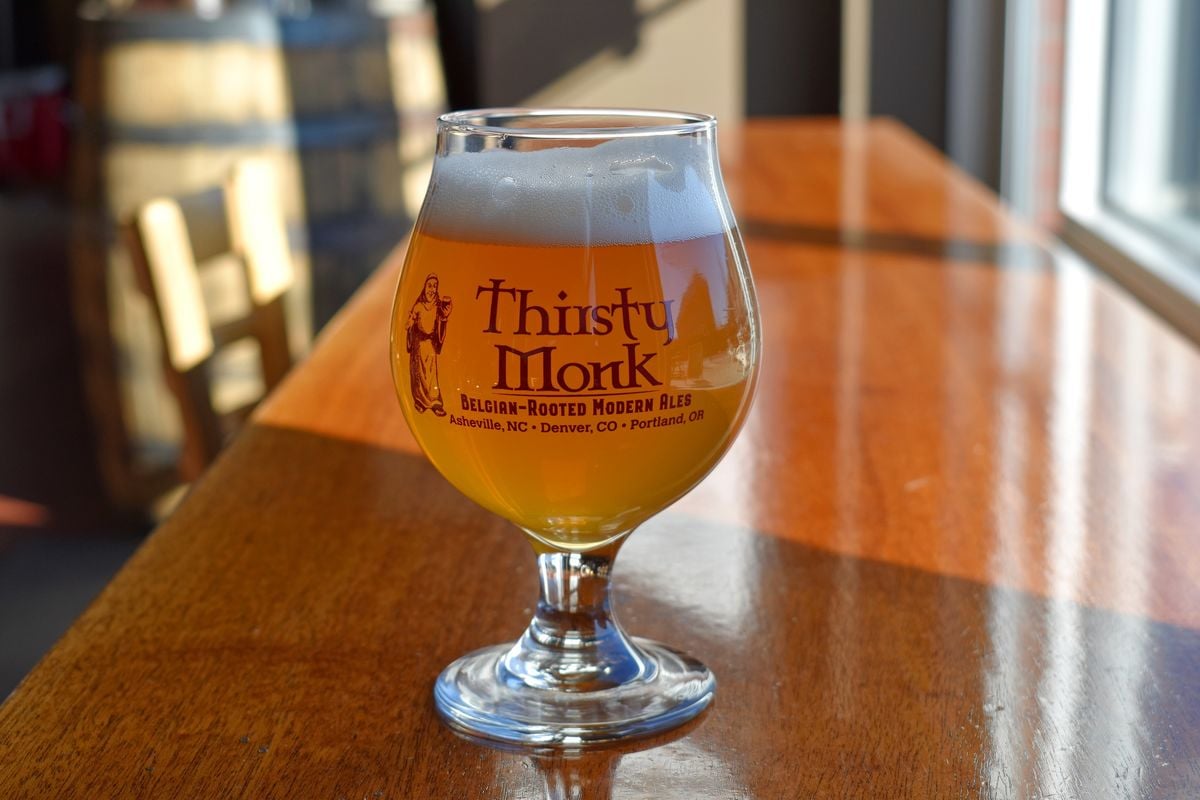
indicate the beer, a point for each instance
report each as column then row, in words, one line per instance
column 574, row 338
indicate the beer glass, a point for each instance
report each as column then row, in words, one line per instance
column 574, row 344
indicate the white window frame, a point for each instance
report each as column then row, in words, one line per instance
column 1151, row 267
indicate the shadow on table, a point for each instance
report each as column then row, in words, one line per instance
column 1010, row 254
column 283, row 629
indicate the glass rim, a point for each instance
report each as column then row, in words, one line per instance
column 483, row 121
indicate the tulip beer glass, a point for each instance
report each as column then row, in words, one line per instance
column 574, row 344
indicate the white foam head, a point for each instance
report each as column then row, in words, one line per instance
column 623, row 191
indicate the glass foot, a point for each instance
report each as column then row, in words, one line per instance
column 479, row 695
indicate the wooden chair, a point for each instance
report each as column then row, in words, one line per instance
column 168, row 239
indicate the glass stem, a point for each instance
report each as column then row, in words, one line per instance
column 574, row 643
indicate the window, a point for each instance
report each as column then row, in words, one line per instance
column 1153, row 158
column 1131, row 148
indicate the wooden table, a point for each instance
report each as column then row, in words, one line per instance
column 953, row 554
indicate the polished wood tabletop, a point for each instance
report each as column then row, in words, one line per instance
column 954, row 553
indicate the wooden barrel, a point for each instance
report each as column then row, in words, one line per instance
column 343, row 105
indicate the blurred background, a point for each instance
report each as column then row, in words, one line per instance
column 190, row 189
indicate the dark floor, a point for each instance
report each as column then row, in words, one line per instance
column 58, row 544
column 46, row 581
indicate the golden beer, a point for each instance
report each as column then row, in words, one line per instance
column 579, row 389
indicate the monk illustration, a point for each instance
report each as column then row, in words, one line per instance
column 426, row 334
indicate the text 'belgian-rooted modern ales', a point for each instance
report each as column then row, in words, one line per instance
column 574, row 345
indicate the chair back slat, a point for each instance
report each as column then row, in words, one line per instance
column 167, row 270
column 258, row 231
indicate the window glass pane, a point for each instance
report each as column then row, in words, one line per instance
column 1152, row 162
